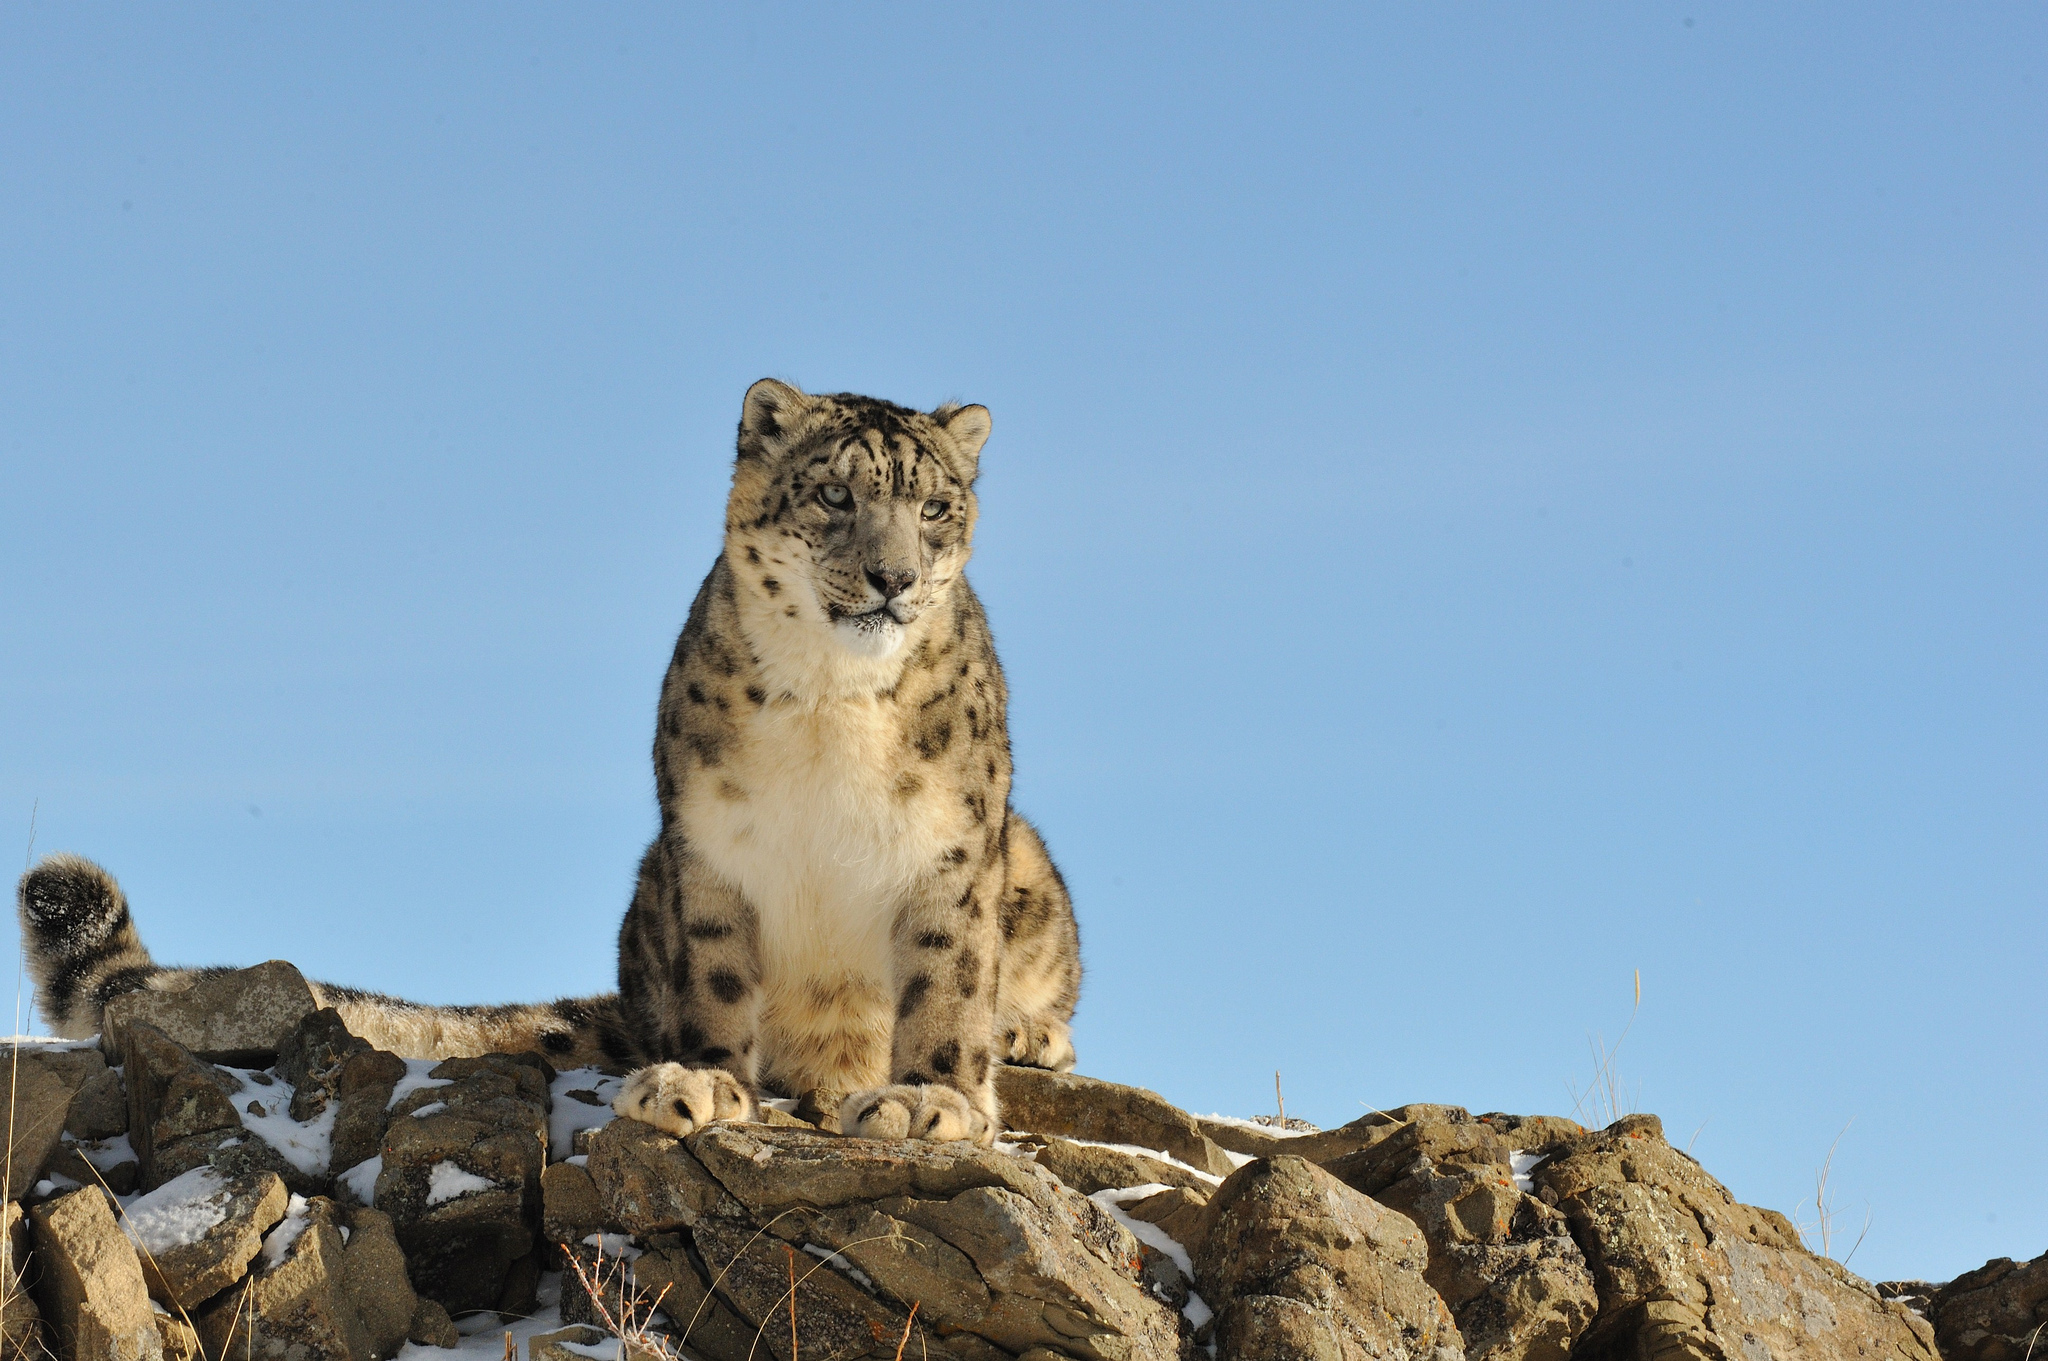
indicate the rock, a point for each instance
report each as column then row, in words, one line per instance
column 100, row 1109
column 238, row 1017
column 462, row 1184
column 834, row 1317
column 364, row 1085
column 21, row 1328
column 1502, row 1260
column 1180, row 1211
column 547, row 1346
column 1684, row 1271
column 326, row 1064
column 295, row 1306
column 1995, row 1313
column 1007, row 1254
column 41, row 1086
column 92, row 1289
column 373, row 1274
column 1300, row 1265
column 198, row 1232
column 649, row 1182
column 431, row 1326
column 1076, row 1107
column 667, row 1272
column 1089, row 1169
column 310, row 1058
column 1533, row 1133
column 178, row 1111
column 101, row 1162
column 820, row 1107
column 180, row 1339
column 1318, row 1146
column 571, row 1209
column 1446, row 1136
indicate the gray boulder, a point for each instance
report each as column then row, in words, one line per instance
column 461, row 1179
column 1685, row 1271
column 92, row 1290
column 1076, row 1107
column 239, row 1017
column 1995, row 1313
column 38, row 1083
column 1503, row 1261
column 198, row 1232
column 295, row 1305
column 1300, row 1266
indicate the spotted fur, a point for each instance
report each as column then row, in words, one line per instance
column 840, row 897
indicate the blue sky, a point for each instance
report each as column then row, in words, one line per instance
column 1483, row 500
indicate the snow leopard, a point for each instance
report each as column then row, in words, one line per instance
column 840, row 898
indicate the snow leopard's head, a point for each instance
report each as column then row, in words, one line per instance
column 851, row 514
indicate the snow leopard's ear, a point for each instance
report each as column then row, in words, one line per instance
column 771, row 412
column 968, row 426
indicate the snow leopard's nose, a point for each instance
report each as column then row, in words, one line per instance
column 891, row 581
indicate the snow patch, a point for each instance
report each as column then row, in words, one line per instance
column 177, row 1213
column 279, row 1240
column 265, row 1109
column 828, row 1255
column 1521, row 1165
column 431, row 1108
column 1156, row 1238
column 446, row 1181
column 619, row 1246
column 582, row 1099
column 416, row 1071
column 361, row 1180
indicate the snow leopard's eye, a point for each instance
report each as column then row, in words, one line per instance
column 934, row 508
column 835, row 496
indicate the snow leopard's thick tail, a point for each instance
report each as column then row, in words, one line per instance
column 83, row 951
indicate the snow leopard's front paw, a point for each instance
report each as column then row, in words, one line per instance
column 924, row 1111
column 680, row 1100
column 1040, row 1044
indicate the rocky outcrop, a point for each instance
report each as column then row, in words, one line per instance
column 1504, row 1262
column 1086, row 1108
column 1685, row 1271
column 198, row 1232
column 342, row 1201
column 239, row 1017
column 1999, row 1312
column 460, row 1180
column 1304, row 1266
column 91, row 1287
column 43, row 1081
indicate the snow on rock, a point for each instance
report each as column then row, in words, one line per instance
column 279, row 1240
column 178, row 1212
column 361, row 1180
column 416, row 1071
column 446, row 1181
column 580, row 1098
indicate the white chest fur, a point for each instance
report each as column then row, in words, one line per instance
column 807, row 817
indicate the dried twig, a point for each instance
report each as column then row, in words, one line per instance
column 913, row 1319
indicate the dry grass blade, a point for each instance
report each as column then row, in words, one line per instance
column 790, row 1252
column 907, row 1325
column 790, row 1294
column 635, row 1333
column 1602, row 1099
